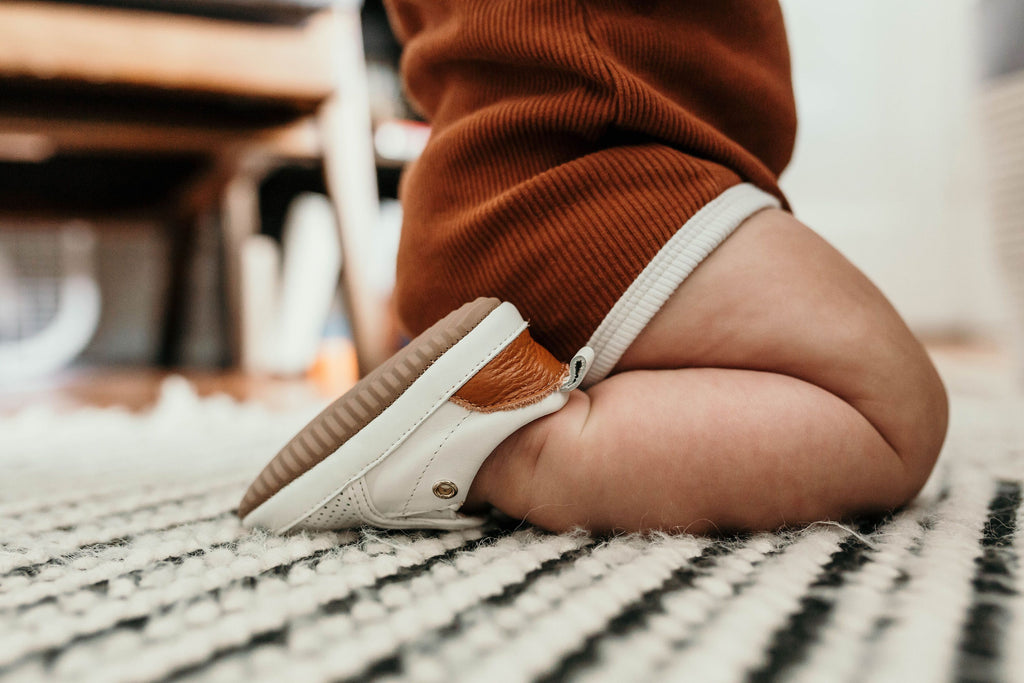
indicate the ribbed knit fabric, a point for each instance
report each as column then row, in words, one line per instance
column 572, row 140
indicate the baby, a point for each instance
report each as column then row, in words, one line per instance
column 699, row 360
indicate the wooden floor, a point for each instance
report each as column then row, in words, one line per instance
column 138, row 388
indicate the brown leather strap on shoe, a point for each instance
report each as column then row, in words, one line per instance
column 523, row 373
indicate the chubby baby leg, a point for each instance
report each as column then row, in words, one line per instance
column 777, row 386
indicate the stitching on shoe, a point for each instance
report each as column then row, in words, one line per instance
column 433, row 456
column 387, row 451
column 370, row 513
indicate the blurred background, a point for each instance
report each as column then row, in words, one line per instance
column 904, row 123
column 209, row 186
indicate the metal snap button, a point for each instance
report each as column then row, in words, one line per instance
column 445, row 489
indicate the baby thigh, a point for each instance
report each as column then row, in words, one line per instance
column 775, row 297
column 776, row 386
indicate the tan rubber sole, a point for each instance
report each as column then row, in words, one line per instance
column 355, row 409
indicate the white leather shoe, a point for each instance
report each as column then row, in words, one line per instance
column 401, row 448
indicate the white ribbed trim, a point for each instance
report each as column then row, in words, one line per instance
column 684, row 251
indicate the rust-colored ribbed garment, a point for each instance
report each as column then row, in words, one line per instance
column 571, row 140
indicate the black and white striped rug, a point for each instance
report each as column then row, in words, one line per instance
column 121, row 560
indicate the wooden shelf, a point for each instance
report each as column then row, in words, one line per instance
column 102, row 45
column 82, row 81
column 298, row 139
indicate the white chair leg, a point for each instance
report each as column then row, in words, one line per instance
column 352, row 184
column 73, row 325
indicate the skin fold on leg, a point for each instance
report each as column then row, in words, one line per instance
column 776, row 387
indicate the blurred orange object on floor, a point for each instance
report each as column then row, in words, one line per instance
column 335, row 368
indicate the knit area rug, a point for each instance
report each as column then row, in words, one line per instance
column 121, row 560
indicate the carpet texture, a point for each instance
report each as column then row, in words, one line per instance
column 121, row 560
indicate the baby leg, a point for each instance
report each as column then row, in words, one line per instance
column 777, row 386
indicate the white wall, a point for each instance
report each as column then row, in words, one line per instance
column 888, row 164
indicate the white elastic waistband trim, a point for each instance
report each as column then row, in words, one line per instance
column 698, row 237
